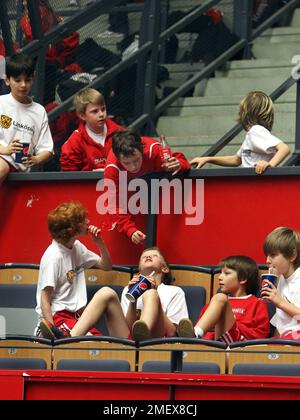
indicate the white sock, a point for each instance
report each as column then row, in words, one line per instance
column 198, row 332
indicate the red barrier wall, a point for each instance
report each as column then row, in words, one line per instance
column 239, row 213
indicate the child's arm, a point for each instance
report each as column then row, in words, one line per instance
column 46, row 298
column 283, row 151
column 13, row 147
column 105, row 260
column 232, row 160
column 31, row 160
column 176, row 163
column 271, row 294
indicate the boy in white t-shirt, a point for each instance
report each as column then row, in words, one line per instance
column 22, row 120
column 61, row 292
column 160, row 307
column 260, row 148
column 282, row 248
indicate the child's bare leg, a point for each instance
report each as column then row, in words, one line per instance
column 4, row 170
column 153, row 314
column 104, row 301
column 218, row 315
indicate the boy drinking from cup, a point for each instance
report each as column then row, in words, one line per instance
column 282, row 249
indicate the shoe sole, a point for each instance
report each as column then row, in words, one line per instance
column 140, row 331
column 46, row 331
column 185, row 329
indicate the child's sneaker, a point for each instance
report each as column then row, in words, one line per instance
column 140, row 331
column 185, row 328
column 51, row 332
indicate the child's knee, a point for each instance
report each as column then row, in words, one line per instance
column 220, row 298
column 106, row 293
column 151, row 294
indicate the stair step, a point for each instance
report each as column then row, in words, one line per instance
column 282, row 51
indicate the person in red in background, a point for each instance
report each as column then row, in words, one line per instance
column 88, row 146
column 136, row 156
column 62, row 53
column 235, row 314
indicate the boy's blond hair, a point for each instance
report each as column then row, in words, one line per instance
column 256, row 108
column 64, row 222
column 285, row 241
column 87, row 96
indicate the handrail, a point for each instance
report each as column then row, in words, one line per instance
column 182, row 340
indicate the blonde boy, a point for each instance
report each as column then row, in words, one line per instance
column 88, row 146
column 260, row 148
column 282, row 249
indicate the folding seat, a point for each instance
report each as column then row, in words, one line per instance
column 263, row 369
column 21, row 363
column 14, row 273
column 187, row 367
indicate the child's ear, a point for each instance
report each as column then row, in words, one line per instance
column 243, row 281
column 165, row 270
column 6, row 80
column 81, row 116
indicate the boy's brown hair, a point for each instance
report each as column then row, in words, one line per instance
column 87, row 96
column 285, row 241
column 256, row 108
column 246, row 269
column 64, row 222
column 167, row 278
column 125, row 142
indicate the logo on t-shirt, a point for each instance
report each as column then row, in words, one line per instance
column 72, row 273
column 238, row 311
column 246, row 152
column 5, row 121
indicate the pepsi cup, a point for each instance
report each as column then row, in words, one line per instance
column 138, row 288
column 22, row 153
column 267, row 276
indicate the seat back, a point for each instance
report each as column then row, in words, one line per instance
column 94, row 365
column 17, row 306
column 95, row 352
column 272, row 354
column 19, row 273
column 14, row 352
column 190, row 275
column 189, row 353
column 195, row 297
column 91, row 290
column 118, row 276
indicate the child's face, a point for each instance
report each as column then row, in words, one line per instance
column 229, row 282
column 20, row 87
column 94, row 117
column 151, row 261
column 282, row 265
column 132, row 163
column 84, row 227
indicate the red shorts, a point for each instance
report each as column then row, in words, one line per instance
column 67, row 320
column 11, row 168
column 230, row 336
column 291, row 335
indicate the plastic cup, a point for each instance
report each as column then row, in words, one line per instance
column 137, row 289
column 267, row 276
column 23, row 153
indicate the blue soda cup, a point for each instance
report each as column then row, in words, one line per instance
column 23, row 153
column 268, row 276
column 138, row 288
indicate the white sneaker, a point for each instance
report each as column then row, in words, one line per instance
column 73, row 3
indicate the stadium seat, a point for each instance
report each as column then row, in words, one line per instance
column 95, row 349
column 19, row 273
column 119, row 275
column 179, row 351
column 95, row 365
column 268, row 352
column 24, row 348
column 195, row 297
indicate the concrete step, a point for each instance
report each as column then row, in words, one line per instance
column 282, row 51
column 210, row 125
column 221, row 110
column 241, row 86
column 295, row 22
column 283, row 72
column 284, row 34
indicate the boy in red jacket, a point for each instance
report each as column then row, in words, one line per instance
column 236, row 314
column 137, row 156
column 88, row 146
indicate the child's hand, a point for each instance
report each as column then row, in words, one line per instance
column 29, row 160
column 172, row 165
column 261, row 166
column 198, row 162
column 95, row 233
column 138, row 237
column 14, row 147
column 270, row 293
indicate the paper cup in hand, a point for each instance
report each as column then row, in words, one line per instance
column 22, row 153
column 267, row 276
column 138, row 288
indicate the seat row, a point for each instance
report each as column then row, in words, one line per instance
column 170, row 355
